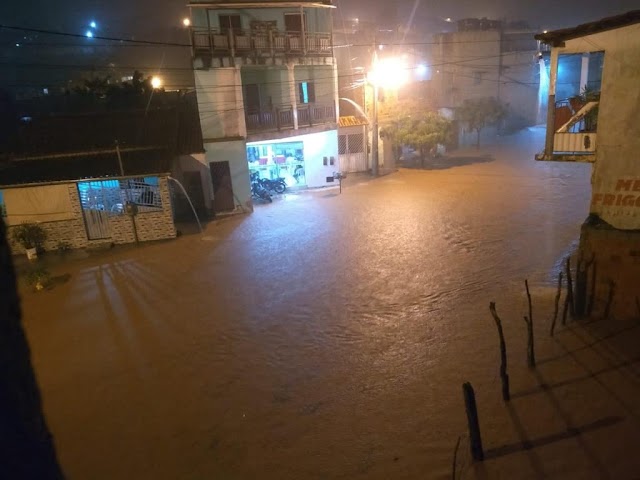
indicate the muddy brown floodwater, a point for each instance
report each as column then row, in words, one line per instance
column 323, row 336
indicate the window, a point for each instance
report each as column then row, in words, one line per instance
column 230, row 22
column 306, row 92
column 3, row 209
column 342, row 144
column 112, row 195
column 252, row 97
column 144, row 192
column 293, row 22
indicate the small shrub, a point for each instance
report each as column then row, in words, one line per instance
column 38, row 278
column 63, row 247
column 29, row 235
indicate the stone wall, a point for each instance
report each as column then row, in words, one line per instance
column 155, row 225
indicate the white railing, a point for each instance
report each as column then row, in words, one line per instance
column 574, row 143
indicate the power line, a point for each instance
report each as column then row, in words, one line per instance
column 188, row 45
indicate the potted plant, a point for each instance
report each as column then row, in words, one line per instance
column 31, row 236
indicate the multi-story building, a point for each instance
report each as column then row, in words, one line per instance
column 488, row 58
column 593, row 100
column 266, row 83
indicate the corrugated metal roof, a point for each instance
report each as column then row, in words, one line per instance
column 72, row 146
column 351, row 121
column 85, row 166
column 609, row 23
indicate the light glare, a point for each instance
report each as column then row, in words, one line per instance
column 156, row 82
column 389, row 73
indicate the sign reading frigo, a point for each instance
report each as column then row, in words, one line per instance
column 626, row 194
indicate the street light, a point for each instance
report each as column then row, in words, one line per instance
column 388, row 73
column 186, row 22
column 156, row 82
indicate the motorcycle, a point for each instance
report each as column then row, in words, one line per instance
column 258, row 191
column 278, row 185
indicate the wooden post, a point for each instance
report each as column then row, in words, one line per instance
column 504, row 377
column 607, row 307
column 592, row 292
column 572, row 307
column 555, row 310
column 475, row 440
column 531, row 356
column 455, row 460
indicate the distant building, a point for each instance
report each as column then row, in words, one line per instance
column 488, row 58
column 266, row 83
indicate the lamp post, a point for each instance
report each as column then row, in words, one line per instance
column 387, row 73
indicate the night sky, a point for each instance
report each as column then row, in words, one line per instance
column 160, row 20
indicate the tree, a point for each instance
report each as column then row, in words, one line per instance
column 413, row 123
column 479, row 113
column 26, row 446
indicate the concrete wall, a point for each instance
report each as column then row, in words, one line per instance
column 616, row 258
column 196, row 163
column 318, row 19
column 472, row 65
column 150, row 225
column 234, row 152
column 220, row 102
column 616, row 171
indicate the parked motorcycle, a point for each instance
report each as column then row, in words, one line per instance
column 258, row 191
column 278, row 185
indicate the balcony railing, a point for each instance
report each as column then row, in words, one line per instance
column 575, row 123
column 281, row 118
column 259, row 43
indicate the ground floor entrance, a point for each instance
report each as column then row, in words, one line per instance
column 278, row 160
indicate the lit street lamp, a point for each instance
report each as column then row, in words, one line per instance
column 388, row 73
column 156, row 82
column 186, row 22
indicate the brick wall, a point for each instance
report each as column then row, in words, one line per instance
column 157, row 225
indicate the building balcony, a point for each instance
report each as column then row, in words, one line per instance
column 218, row 43
column 574, row 132
column 282, row 117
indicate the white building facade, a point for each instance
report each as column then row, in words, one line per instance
column 266, row 83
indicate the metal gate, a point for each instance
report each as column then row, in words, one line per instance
column 97, row 199
column 97, row 224
column 353, row 157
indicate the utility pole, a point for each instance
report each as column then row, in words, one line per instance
column 374, row 129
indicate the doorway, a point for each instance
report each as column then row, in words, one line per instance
column 222, row 187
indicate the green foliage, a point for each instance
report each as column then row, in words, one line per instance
column 481, row 112
column 413, row 123
column 29, row 235
column 38, row 278
column 107, row 88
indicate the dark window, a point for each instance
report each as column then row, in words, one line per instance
column 230, row 21
column 306, row 92
column 293, row 22
column 342, row 144
column 252, row 97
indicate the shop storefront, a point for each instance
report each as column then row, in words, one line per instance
column 278, row 160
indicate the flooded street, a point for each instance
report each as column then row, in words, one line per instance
column 323, row 336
